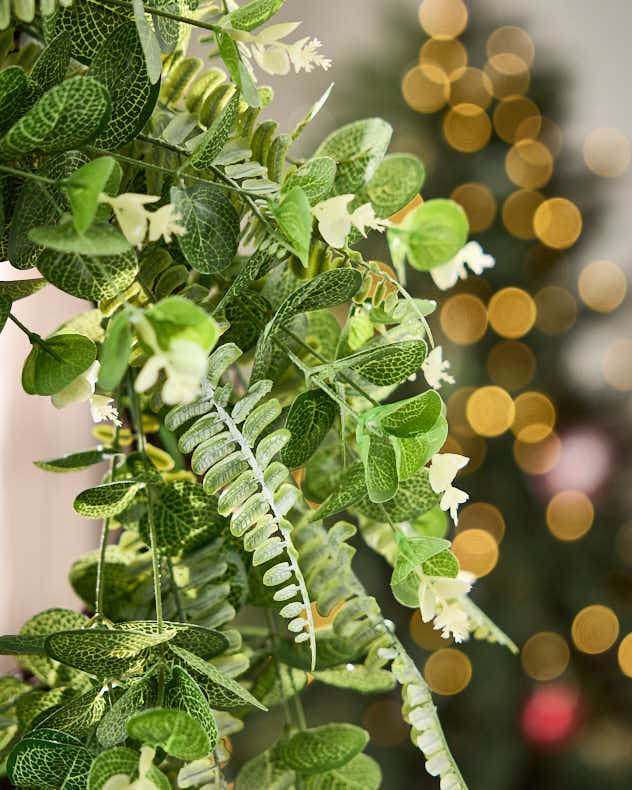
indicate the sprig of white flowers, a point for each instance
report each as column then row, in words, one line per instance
column 335, row 221
column 134, row 219
column 82, row 389
column 442, row 471
column 448, row 274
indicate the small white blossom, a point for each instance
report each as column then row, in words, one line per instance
column 364, row 216
column 304, row 55
column 164, row 222
column 134, row 219
column 335, row 221
column 185, row 364
column 447, row 275
column 442, row 471
column 102, row 408
column 81, row 390
column 435, row 592
column 274, row 56
column 452, row 619
column 434, row 368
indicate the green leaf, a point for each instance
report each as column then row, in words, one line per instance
column 87, row 276
column 104, row 654
column 415, row 451
column 413, row 552
column 97, row 240
column 74, row 462
column 22, row 644
column 49, row 764
column 48, row 371
column 360, row 773
column 350, row 490
column 66, row 116
column 414, row 497
column 238, row 72
column 358, row 149
column 311, row 415
column 265, row 771
column 320, row 749
column 84, row 187
column 386, row 364
column 215, row 137
column 119, row 760
column 212, row 225
column 178, row 317
column 52, row 64
column 106, row 500
column 183, row 693
column 119, row 65
column 115, row 351
column 433, row 523
column 5, row 308
column 175, row 731
column 432, row 234
column 140, row 695
column 311, row 113
column 269, row 691
column 331, row 651
column 316, row 179
column 380, row 467
column 442, row 564
column 357, row 677
column 13, row 88
column 254, row 14
column 408, row 417
column 294, row 217
column 204, row 642
column 234, row 694
column 78, row 716
column 397, row 180
column 18, row 289
column 148, row 42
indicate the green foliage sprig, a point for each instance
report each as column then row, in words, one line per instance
column 238, row 360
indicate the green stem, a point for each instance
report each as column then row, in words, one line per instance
column 26, row 174
column 298, row 704
column 175, row 591
column 35, row 338
column 166, row 14
column 287, row 715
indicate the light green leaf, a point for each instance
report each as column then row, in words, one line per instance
column 380, row 466
column 49, row 764
column 97, row 240
column 311, row 415
column 52, row 64
column 74, row 462
column 178, row 317
column 442, row 564
column 66, row 116
column 350, row 490
column 87, row 276
column 119, row 760
column 414, row 497
column 183, row 693
column 408, row 417
column 215, row 137
column 105, row 500
column 115, row 351
column 358, row 149
column 46, row 372
column 357, row 677
column 238, row 72
column 175, row 731
column 387, row 364
column 397, row 180
column 148, row 42
column 311, row 113
column 254, row 14
column 294, row 217
column 360, row 773
column 433, row 523
column 413, row 552
column 320, row 749
column 120, row 66
column 265, row 771
column 415, row 451
column 18, row 289
column 13, row 89
column 316, row 179
column 84, row 187
column 212, row 225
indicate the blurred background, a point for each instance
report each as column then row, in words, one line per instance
column 521, row 113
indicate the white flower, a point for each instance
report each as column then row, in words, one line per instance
column 272, row 60
column 185, row 364
column 334, row 220
column 81, row 390
column 436, row 591
column 447, row 275
column 364, row 216
column 452, row 619
column 434, row 369
column 274, row 56
column 102, row 408
column 164, row 222
column 442, row 471
column 131, row 214
column 303, row 55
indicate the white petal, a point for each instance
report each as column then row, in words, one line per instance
column 273, row 60
column 148, row 375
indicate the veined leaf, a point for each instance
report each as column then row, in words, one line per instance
column 18, row 289
column 357, row 677
column 74, row 462
column 238, row 72
column 204, row 642
column 87, row 276
column 443, row 563
column 311, row 415
column 47, row 371
column 106, row 500
column 175, row 731
column 254, row 14
column 415, row 451
column 412, row 553
column 66, row 116
column 49, row 764
column 311, row 113
column 316, row 178
column 115, row 351
column 409, row 417
column 84, row 187
column 13, row 88
column 320, row 749
column 380, row 466
column 385, row 364
column 212, row 224
column 265, row 770
column 350, row 490
column 294, row 217
column 139, row 695
column 149, row 43
column 413, row 498
column 119, row 760
column 52, row 64
column 22, row 644
column 360, row 773
column 397, row 180
column 183, row 693
column 97, row 240
column 215, row 137
column 78, row 716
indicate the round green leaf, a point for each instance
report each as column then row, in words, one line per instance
column 97, row 240
column 323, row 748
column 88, row 276
column 175, row 731
column 47, row 371
column 433, row 233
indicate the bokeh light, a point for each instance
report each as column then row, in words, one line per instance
column 448, row 671
column 556, row 308
column 551, row 136
column 511, row 39
column 475, row 448
column 383, row 720
column 476, row 550
column 463, row 318
column 467, row 128
column 448, row 54
column 443, row 18
column 478, row 202
column 569, row 515
column 557, row 223
column 425, row 635
column 518, row 211
column 529, row 164
column 538, row 458
column 545, row 656
column 572, row 472
column 595, row 629
column 456, row 406
column 517, row 118
column 425, row 88
column 607, row 152
column 482, row 515
column 534, row 417
column 471, row 86
column 602, row 286
column 490, row 411
column 511, row 312
column 624, row 655
column 511, row 364
column 508, row 73
column 617, row 364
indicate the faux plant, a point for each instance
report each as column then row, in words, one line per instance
column 241, row 363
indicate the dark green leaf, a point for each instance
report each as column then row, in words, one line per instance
column 105, row 500
column 115, row 351
column 74, row 462
column 78, row 716
column 215, row 137
column 311, row 415
column 13, row 87
column 350, row 490
column 84, row 187
column 48, row 764
column 21, row 644
column 294, row 217
column 47, row 371
column 89, row 277
column 320, row 749
column 138, row 696
column 119, row 760
column 51, row 66
column 386, row 364
column 18, row 289
column 413, row 552
column 183, row 693
column 149, row 43
column 204, row 642
column 238, row 72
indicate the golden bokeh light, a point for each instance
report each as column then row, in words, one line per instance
column 383, row 720
column 482, row 515
column 476, row 550
column 471, row 86
column 464, row 319
column 511, row 39
column 425, row 635
column 508, row 73
column 456, row 411
column 448, row 54
column 617, row 364
column 529, row 164
column 557, row 310
column 452, row 445
column 466, row 127
column 490, row 411
column 607, row 152
column 443, row 18
column 551, row 136
column 478, row 202
column 595, row 629
column 448, row 671
column 511, row 312
column 511, row 364
column 557, row 223
column 624, row 655
column 425, row 88
column 602, row 286
column 517, row 118
column 534, row 417
column 538, row 458
column 569, row 515
column 545, row 656
column 518, row 211
column 474, row 448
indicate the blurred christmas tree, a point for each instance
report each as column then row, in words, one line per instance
column 468, row 97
